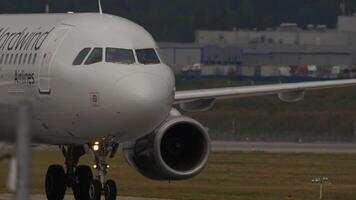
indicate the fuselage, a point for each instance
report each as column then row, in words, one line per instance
column 87, row 76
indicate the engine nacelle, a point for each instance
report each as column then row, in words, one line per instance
column 178, row 150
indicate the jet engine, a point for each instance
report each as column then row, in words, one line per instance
column 179, row 149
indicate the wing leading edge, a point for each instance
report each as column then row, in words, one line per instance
column 249, row 91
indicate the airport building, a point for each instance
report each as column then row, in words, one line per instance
column 286, row 45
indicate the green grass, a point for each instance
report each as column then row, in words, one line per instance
column 230, row 175
column 327, row 115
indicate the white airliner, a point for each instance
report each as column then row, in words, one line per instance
column 96, row 81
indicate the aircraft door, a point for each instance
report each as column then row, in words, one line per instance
column 44, row 75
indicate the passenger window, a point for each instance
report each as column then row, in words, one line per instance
column 29, row 59
column 81, row 56
column 2, row 58
column 20, row 59
column 11, row 56
column 95, row 56
column 115, row 55
column 6, row 58
column 147, row 56
column 15, row 60
column 25, row 58
column 34, row 58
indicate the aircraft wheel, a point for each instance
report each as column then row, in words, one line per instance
column 56, row 183
column 110, row 190
column 95, row 189
column 83, row 178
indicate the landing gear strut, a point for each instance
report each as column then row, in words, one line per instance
column 80, row 178
column 99, row 185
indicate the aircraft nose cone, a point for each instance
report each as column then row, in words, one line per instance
column 143, row 100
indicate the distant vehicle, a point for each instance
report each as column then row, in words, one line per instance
column 195, row 67
column 300, row 70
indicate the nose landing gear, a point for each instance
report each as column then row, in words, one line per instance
column 80, row 178
column 99, row 185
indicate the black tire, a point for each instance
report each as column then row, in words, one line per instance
column 56, row 182
column 83, row 178
column 110, row 190
column 95, row 190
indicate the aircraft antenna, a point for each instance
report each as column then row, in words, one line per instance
column 100, row 8
column 46, row 6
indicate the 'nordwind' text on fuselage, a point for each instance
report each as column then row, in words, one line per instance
column 24, row 40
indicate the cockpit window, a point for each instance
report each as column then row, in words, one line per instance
column 80, row 57
column 123, row 56
column 147, row 56
column 95, row 56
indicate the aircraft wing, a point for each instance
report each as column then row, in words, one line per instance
column 201, row 100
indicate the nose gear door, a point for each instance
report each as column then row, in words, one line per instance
column 44, row 75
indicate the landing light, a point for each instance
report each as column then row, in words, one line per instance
column 95, row 166
column 96, row 147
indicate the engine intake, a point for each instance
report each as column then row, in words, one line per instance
column 178, row 150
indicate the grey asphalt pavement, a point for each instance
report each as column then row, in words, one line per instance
column 68, row 197
column 285, row 147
